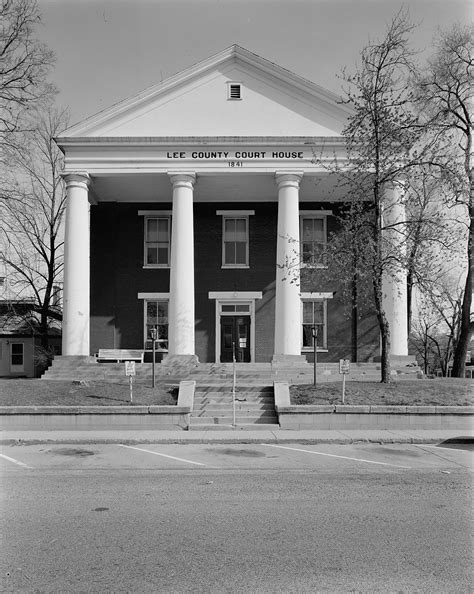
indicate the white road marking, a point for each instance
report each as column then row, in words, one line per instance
column 15, row 461
column 271, row 445
column 164, row 455
column 441, row 448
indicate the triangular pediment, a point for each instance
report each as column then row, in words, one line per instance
column 273, row 102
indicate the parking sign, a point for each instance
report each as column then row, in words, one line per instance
column 344, row 365
column 129, row 367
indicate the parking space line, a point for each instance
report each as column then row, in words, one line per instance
column 15, row 461
column 163, row 455
column 441, row 448
column 271, row 445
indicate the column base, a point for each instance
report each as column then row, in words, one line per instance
column 187, row 361
column 289, row 361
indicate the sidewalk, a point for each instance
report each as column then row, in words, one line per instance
column 231, row 436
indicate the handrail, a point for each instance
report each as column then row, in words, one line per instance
column 234, row 380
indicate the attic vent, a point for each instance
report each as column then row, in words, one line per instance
column 234, row 91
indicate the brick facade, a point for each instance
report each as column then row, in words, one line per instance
column 118, row 276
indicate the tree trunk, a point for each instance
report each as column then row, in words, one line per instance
column 386, row 367
column 467, row 327
column 409, row 298
column 354, row 318
column 385, row 364
column 464, row 340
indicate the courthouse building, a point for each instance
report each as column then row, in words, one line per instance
column 195, row 206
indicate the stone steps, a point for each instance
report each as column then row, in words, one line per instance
column 213, row 405
column 248, row 374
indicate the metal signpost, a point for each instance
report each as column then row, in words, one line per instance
column 153, row 336
column 314, row 331
column 344, row 366
column 130, row 372
column 233, row 384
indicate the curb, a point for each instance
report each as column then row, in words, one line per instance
column 226, row 440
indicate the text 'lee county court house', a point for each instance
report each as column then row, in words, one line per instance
column 187, row 208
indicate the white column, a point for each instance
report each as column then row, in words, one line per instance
column 181, row 307
column 75, row 332
column 394, row 283
column 287, row 289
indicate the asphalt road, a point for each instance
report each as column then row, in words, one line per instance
column 236, row 518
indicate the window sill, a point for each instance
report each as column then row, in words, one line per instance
column 155, row 266
column 310, row 350
column 156, row 350
column 235, row 266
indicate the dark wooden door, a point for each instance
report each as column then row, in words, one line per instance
column 235, row 330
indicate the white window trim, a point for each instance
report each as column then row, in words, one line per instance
column 236, row 214
column 322, row 298
column 314, row 214
column 155, row 214
column 153, row 297
column 14, row 368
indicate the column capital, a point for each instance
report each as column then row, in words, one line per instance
column 79, row 179
column 185, row 179
column 286, row 179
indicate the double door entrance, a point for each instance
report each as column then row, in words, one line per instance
column 235, row 335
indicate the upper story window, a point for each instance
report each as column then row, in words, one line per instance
column 235, row 248
column 235, row 238
column 234, row 91
column 313, row 239
column 157, row 241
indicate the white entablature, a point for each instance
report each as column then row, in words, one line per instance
column 206, row 155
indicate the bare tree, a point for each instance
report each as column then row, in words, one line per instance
column 437, row 328
column 380, row 137
column 446, row 96
column 24, row 64
column 433, row 231
column 31, row 208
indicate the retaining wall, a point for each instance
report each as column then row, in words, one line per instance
column 339, row 416
column 51, row 418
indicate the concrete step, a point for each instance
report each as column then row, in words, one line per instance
column 217, row 410
column 223, row 397
column 227, row 420
column 241, row 396
column 237, row 427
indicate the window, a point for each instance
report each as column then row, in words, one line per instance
column 157, row 241
column 156, row 316
column 17, row 354
column 314, row 315
column 235, row 247
column 234, row 90
column 235, row 308
column 313, row 236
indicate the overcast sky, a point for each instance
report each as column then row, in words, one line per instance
column 108, row 50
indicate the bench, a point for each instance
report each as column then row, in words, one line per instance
column 469, row 372
column 118, row 355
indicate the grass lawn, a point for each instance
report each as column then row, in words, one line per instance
column 38, row 392
column 440, row 392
